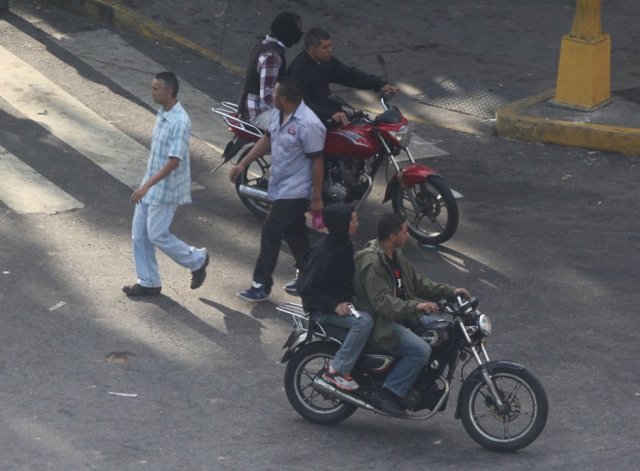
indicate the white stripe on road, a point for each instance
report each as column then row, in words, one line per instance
column 110, row 55
column 421, row 149
column 26, row 191
column 42, row 101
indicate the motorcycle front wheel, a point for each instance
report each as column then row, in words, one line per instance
column 518, row 423
column 430, row 208
column 256, row 177
column 303, row 368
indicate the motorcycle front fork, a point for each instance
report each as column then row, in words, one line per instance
column 482, row 363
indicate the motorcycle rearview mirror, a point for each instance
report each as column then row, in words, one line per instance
column 383, row 64
column 385, row 98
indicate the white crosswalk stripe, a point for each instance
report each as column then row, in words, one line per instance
column 110, row 55
column 25, row 191
column 45, row 103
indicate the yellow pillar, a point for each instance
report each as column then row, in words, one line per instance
column 584, row 72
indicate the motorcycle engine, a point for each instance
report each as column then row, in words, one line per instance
column 336, row 192
column 342, row 182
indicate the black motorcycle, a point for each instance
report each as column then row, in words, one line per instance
column 502, row 406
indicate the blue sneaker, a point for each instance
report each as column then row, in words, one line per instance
column 257, row 292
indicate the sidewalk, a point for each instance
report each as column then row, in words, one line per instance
column 513, row 114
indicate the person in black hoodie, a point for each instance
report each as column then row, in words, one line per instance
column 325, row 283
column 267, row 63
column 316, row 67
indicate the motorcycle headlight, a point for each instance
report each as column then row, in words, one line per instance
column 484, row 324
column 402, row 135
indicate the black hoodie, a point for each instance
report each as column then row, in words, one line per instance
column 326, row 277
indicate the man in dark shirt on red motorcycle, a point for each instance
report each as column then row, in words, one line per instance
column 316, row 67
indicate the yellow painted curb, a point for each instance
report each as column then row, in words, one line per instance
column 112, row 13
column 513, row 123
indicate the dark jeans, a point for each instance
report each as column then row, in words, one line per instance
column 286, row 219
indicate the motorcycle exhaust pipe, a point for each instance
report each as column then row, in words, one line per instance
column 253, row 193
column 323, row 387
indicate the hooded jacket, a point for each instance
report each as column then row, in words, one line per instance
column 284, row 29
column 326, row 275
column 374, row 286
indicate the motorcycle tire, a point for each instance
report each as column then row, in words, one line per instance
column 519, row 424
column 256, row 176
column 307, row 364
column 437, row 206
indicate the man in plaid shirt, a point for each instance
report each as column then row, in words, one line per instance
column 267, row 63
column 165, row 186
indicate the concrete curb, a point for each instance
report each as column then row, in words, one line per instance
column 112, row 13
column 512, row 122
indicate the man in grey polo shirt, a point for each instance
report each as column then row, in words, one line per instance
column 296, row 138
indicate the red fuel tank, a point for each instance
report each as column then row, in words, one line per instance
column 355, row 141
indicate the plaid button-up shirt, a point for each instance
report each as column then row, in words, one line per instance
column 170, row 139
column 267, row 66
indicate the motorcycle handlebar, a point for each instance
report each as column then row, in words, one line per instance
column 350, row 116
column 385, row 98
column 461, row 306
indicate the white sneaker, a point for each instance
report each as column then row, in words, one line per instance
column 344, row 382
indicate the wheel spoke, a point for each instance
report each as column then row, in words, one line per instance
column 512, row 394
column 419, row 212
column 309, row 375
column 482, row 416
column 307, row 387
column 311, row 398
column 510, row 423
column 434, row 220
column 418, row 218
column 505, row 426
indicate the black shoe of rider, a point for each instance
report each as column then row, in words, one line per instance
column 387, row 402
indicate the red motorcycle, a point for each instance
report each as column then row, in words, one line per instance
column 354, row 153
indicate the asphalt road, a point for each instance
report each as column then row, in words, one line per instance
column 548, row 240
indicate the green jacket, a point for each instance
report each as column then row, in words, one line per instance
column 374, row 285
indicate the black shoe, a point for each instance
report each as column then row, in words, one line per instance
column 292, row 288
column 139, row 290
column 387, row 402
column 198, row 276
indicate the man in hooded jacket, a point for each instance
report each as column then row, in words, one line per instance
column 325, row 284
column 267, row 63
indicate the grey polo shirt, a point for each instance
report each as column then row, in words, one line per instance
column 302, row 134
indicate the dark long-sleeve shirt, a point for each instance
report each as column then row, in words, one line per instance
column 315, row 77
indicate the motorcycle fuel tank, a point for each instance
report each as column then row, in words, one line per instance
column 355, row 141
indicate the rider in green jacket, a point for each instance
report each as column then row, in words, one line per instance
column 388, row 287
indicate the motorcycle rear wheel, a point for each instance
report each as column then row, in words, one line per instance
column 256, row 176
column 522, row 420
column 435, row 220
column 307, row 364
